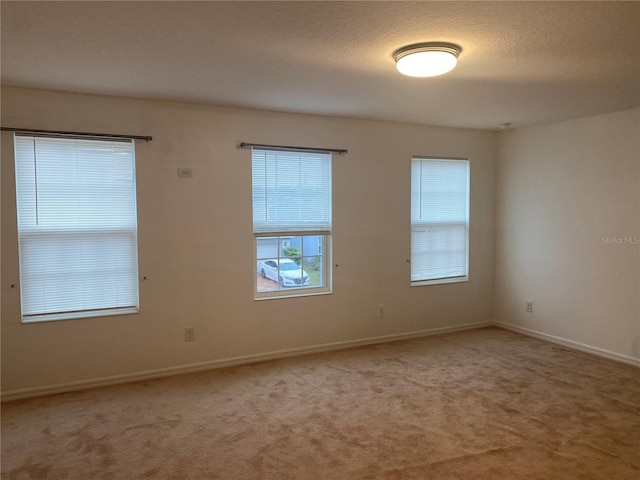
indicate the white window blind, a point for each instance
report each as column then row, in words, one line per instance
column 291, row 192
column 77, row 228
column 439, row 219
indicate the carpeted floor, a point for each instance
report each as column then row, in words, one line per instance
column 482, row 404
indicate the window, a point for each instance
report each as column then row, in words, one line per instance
column 439, row 220
column 291, row 222
column 77, row 232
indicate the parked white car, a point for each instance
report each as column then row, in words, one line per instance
column 290, row 274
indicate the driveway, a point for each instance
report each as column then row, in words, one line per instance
column 265, row 285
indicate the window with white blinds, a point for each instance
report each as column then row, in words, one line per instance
column 77, row 228
column 439, row 220
column 291, row 221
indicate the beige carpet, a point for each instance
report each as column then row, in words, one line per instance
column 483, row 404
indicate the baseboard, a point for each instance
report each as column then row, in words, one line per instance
column 601, row 352
column 229, row 362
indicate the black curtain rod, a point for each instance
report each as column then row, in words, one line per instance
column 293, row 149
column 55, row 133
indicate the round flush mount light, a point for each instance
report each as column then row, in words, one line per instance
column 426, row 59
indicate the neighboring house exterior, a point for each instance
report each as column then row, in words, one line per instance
column 272, row 247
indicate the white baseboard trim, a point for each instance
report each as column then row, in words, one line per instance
column 229, row 362
column 601, row 352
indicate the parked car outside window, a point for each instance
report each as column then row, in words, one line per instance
column 284, row 271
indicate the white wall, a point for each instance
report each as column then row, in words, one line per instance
column 195, row 240
column 568, row 211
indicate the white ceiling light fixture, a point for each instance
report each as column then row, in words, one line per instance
column 426, row 59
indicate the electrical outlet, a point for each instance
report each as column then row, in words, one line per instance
column 529, row 307
column 189, row 334
column 381, row 311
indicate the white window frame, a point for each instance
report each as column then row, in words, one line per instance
column 418, row 225
column 321, row 228
column 44, row 220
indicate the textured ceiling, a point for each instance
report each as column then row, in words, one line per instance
column 522, row 62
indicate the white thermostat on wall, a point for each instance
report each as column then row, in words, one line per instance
column 185, row 173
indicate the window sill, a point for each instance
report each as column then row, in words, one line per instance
column 296, row 292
